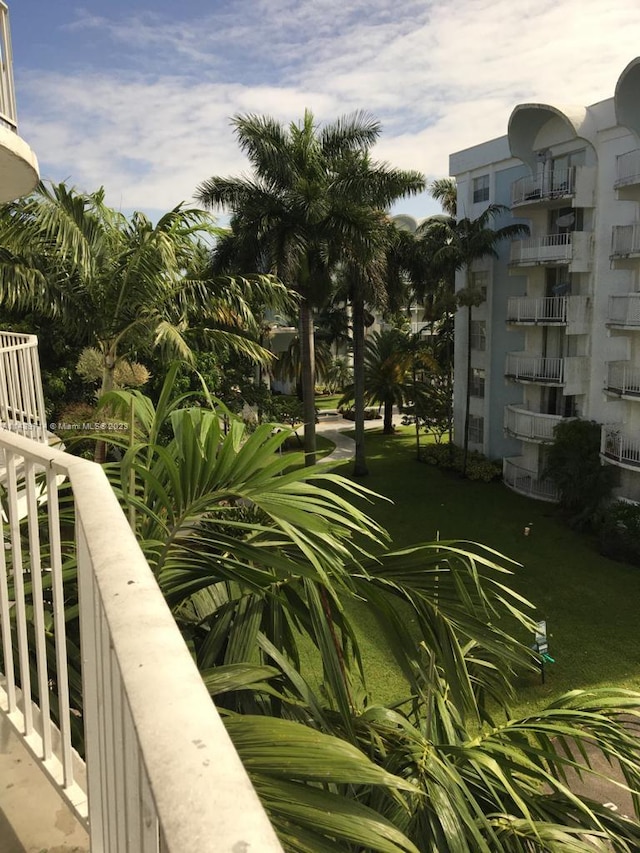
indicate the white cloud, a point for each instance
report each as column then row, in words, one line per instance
column 440, row 76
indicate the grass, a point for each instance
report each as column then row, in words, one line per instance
column 590, row 602
column 328, row 401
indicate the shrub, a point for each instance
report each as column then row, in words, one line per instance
column 619, row 532
column 450, row 457
column 369, row 414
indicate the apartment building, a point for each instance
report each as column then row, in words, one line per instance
column 558, row 335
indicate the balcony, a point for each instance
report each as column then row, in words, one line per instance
column 21, row 401
column 625, row 241
column 18, row 165
column 554, row 188
column 161, row 772
column 623, row 379
column 568, row 372
column 620, row 448
column 529, row 483
column 571, row 248
column 624, row 311
column 627, row 181
column 530, row 426
column 544, row 311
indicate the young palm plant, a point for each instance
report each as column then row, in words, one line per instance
column 248, row 545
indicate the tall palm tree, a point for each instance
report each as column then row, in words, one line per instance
column 313, row 198
column 461, row 243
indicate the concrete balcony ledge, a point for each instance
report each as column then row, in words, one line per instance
column 554, row 188
column 526, row 482
column 19, row 173
column 620, row 447
column 624, row 311
column 536, row 427
column 571, row 248
column 623, row 379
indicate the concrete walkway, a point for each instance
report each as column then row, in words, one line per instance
column 333, row 427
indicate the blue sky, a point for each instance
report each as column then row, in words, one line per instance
column 137, row 96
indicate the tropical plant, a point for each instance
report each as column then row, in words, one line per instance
column 338, row 374
column 314, row 199
column 461, row 243
column 572, row 462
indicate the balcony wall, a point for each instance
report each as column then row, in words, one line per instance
column 161, row 771
column 624, row 379
column 531, row 310
column 625, row 240
column 620, row 447
column 627, row 181
column 530, row 426
column 570, row 372
column 526, row 482
column 624, row 311
column 572, row 249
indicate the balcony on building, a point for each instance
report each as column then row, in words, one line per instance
column 570, row 248
column 554, row 188
column 569, row 311
column 620, row 447
column 526, row 482
column 623, row 379
column 623, row 311
column 526, row 425
column 18, row 164
column 569, row 372
column 627, row 182
column 625, row 243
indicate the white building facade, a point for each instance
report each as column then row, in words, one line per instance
column 558, row 335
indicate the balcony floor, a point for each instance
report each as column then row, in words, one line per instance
column 48, row 827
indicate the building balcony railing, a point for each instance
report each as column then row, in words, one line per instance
column 533, row 368
column 161, row 773
column 623, row 379
column 620, row 448
column 520, row 479
column 627, row 169
column 625, row 240
column 556, row 184
column 572, row 248
column 530, row 426
column 544, row 310
column 624, row 311
column 8, row 113
column 21, row 401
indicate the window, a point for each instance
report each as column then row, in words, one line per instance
column 476, row 385
column 479, row 335
column 480, row 281
column 476, row 429
column 481, row 189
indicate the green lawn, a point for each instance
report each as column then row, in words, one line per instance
column 590, row 602
column 328, row 401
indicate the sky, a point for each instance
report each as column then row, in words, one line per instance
column 137, row 96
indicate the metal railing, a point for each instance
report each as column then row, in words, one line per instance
column 556, row 183
column 619, row 447
column 546, row 249
column 8, row 114
column 530, row 426
column 161, row 771
column 528, row 483
column 21, row 401
column 530, row 368
column 625, row 240
column 624, row 310
column 531, row 309
column 627, row 169
column 623, row 378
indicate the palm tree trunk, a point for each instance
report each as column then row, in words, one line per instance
column 387, row 428
column 465, row 450
column 307, row 359
column 108, row 371
column 360, row 463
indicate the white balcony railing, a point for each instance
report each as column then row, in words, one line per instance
column 7, row 90
column 558, row 183
column 625, row 240
column 21, row 402
column 529, row 368
column 628, row 169
column 550, row 248
column 623, row 378
column 624, row 310
column 161, row 772
column 530, row 426
column 619, row 447
column 531, row 309
column 526, row 482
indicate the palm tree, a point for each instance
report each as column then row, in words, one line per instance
column 445, row 191
column 461, row 243
column 313, row 199
column 120, row 285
